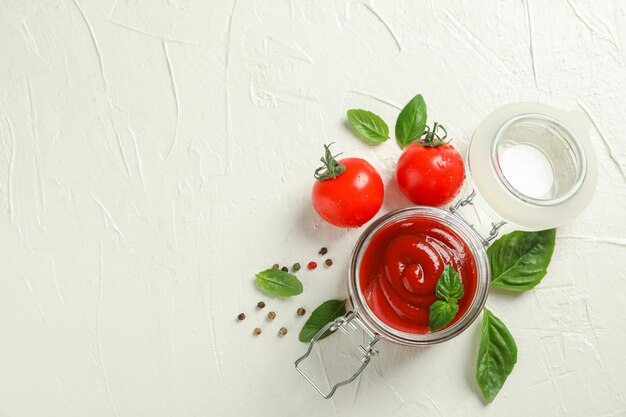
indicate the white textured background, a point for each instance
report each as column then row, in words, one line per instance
column 154, row 155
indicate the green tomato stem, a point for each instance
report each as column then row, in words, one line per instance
column 432, row 138
column 331, row 167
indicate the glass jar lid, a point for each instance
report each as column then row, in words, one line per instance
column 533, row 164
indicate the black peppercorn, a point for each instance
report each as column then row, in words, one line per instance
column 301, row 311
column 241, row 316
column 260, row 304
column 284, row 269
column 328, row 262
column 323, row 251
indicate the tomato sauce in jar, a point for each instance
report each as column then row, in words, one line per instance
column 401, row 266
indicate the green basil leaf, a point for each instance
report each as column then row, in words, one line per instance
column 279, row 283
column 368, row 125
column 321, row 316
column 449, row 287
column 441, row 314
column 411, row 121
column 519, row 260
column 496, row 357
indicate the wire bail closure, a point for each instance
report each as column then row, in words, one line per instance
column 367, row 352
column 495, row 227
column 353, row 321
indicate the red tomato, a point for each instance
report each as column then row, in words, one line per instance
column 430, row 176
column 353, row 197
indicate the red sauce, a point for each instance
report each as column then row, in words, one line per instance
column 401, row 266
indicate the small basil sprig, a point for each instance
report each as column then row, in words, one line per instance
column 368, row 125
column 519, row 260
column 321, row 316
column 449, row 287
column 449, row 290
column 411, row 121
column 441, row 313
column 279, row 283
column 496, row 357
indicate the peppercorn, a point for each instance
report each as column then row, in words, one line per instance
column 323, row 251
column 256, row 331
column 282, row 331
column 241, row 316
column 260, row 304
column 284, row 269
column 296, row 267
column 312, row 265
column 301, row 311
column 328, row 262
column 271, row 315
column 275, row 266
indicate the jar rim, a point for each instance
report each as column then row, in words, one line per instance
column 483, row 273
column 564, row 133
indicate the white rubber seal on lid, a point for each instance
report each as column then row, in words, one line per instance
column 533, row 164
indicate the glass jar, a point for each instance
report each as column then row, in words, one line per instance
column 530, row 164
column 474, row 242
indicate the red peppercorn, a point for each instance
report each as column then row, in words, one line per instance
column 312, row 265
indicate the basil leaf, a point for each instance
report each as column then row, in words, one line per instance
column 449, row 287
column 441, row 313
column 411, row 121
column 368, row 125
column 278, row 283
column 321, row 316
column 519, row 260
column 496, row 357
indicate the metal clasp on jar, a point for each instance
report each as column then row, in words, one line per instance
column 495, row 226
column 368, row 351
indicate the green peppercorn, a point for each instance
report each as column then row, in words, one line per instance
column 296, row 267
column 301, row 311
column 271, row 315
column 256, row 331
column 241, row 316
column 275, row 266
column 282, row 331
column 260, row 304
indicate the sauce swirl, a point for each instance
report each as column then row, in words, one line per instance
column 401, row 266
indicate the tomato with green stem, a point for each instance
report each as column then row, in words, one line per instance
column 348, row 192
column 430, row 171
